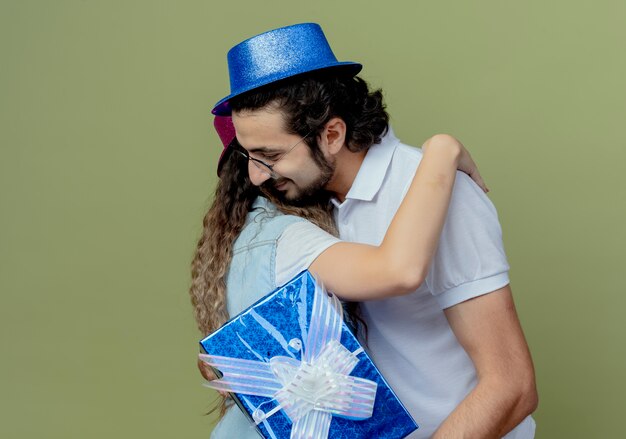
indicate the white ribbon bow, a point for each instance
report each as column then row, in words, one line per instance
column 309, row 391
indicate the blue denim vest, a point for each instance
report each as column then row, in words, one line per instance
column 251, row 275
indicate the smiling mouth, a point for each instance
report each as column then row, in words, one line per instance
column 280, row 186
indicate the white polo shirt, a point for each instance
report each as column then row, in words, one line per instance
column 409, row 337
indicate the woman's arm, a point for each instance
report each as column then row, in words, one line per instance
column 399, row 265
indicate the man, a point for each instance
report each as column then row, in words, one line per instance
column 453, row 350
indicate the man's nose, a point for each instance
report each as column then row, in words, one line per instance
column 257, row 176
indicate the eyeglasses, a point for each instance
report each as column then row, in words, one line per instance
column 264, row 167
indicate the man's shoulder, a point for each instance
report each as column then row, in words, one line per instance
column 408, row 152
column 405, row 159
column 404, row 163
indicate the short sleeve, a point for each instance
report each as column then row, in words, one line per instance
column 470, row 259
column 298, row 246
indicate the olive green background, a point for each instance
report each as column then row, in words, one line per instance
column 107, row 165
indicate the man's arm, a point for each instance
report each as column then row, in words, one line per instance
column 489, row 330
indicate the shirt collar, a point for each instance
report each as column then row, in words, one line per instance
column 262, row 203
column 370, row 177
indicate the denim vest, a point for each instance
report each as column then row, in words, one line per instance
column 251, row 275
column 252, row 271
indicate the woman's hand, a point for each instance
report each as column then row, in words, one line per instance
column 465, row 163
column 206, row 371
column 208, row 374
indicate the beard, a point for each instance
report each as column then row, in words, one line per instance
column 311, row 194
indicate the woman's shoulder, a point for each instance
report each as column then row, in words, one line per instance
column 264, row 211
column 265, row 223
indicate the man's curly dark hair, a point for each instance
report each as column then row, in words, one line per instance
column 309, row 101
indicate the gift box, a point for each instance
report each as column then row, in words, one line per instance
column 296, row 370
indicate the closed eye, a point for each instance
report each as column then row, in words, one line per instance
column 270, row 157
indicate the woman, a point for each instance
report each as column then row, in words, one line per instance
column 250, row 241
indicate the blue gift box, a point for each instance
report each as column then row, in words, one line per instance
column 292, row 344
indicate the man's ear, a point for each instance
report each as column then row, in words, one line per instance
column 334, row 135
